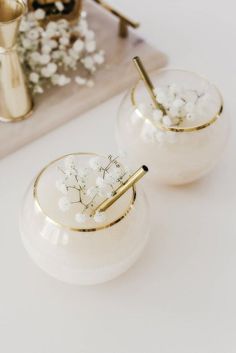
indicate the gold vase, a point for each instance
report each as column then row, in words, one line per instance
column 15, row 100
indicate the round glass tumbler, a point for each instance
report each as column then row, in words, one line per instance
column 81, row 253
column 176, row 154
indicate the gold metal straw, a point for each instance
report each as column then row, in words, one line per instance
column 123, row 188
column 147, row 81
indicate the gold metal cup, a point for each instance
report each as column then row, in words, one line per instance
column 15, row 100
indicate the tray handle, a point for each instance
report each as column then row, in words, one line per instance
column 124, row 21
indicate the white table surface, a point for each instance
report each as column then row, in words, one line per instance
column 181, row 296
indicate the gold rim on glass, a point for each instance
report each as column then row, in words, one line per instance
column 178, row 128
column 37, row 203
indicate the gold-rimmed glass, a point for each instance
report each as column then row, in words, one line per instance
column 84, row 255
column 188, row 151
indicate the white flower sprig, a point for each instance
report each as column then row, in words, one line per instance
column 178, row 106
column 84, row 188
column 49, row 51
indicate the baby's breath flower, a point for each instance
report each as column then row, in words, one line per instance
column 60, row 185
column 34, row 77
column 161, row 95
column 167, row 120
column 26, row 43
column 63, row 23
column 83, row 27
column 116, row 173
column 80, row 80
column 31, row 18
column 178, row 105
column 60, row 80
column 64, row 204
column 100, row 182
column 46, row 49
column 59, row 5
column 49, row 50
column 84, row 172
column 99, row 58
column 69, row 61
column 78, row 45
column 44, row 59
column 73, row 53
column 52, row 26
column 64, row 41
column 56, row 55
column 33, row 34
column 24, row 26
column 39, row 14
column 106, row 192
column 81, row 217
column 96, row 163
column 99, row 217
column 88, row 62
column 173, row 112
column 49, row 70
column 111, row 178
column 38, row 89
column 52, row 43
column 85, row 188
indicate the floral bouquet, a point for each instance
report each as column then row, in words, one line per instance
column 49, row 51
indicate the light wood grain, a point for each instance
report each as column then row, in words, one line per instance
column 59, row 105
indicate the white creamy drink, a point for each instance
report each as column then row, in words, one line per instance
column 63, row 232
column 181, row 141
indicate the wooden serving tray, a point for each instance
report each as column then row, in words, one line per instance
column 59, row 105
